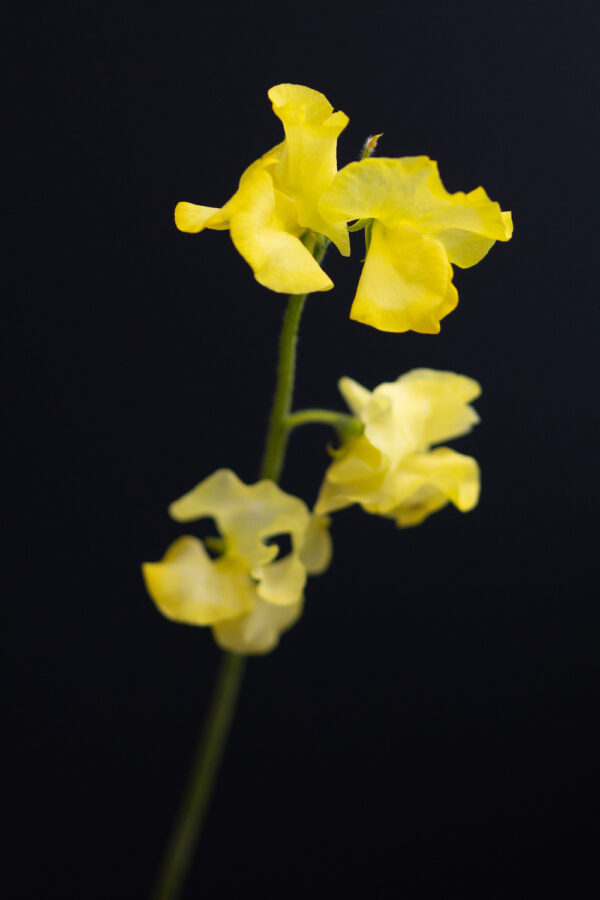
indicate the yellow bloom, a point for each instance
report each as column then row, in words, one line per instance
column 277, row 199
column 247, row 595
column 417, row 230
column 391, row 469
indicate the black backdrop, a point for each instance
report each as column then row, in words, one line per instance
column 429, row 727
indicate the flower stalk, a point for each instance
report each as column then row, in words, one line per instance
column 346, row 425
column 186, row 832
column 278, row 431
column 188, row 825
column 289, row 205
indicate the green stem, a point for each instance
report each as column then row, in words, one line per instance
column 346, row 425
column 277, row 433
column 180, row 849
column 319, row 416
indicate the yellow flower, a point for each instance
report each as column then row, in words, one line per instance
column 247, row 595
column 417, row 229
column 390, row 469
column 277, row 199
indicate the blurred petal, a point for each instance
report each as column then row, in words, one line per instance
column 245, row 514
column 189, row 587
column 259, row 630
column 424, row 500
column 355, row 476
column 424, row 407
column 316, row 550
column 281, row 582
column 446, row 476
column 356, row 396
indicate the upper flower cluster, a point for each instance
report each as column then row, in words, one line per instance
column 276, row 203
column 248, row 594
column 415, row 230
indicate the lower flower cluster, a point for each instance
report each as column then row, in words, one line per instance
column 249, row 594
column 248, row 583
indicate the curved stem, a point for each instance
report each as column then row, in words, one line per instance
column 317, row 416
column 180, row 849
column 345, row 424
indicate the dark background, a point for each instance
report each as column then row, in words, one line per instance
column 429, row 727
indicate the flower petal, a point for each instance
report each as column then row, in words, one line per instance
column 308, row 164
column 316, row 551
column 245, row 514
column 357, row 472
column 281, row 582
column 192, row 218
column 404, row 283
column 409, row 191
column 263, row 231
column 464, row 248
column 356, row 396
column 259, row 630
column 473, row 212
column 422, row 407
column 376, row 188
column 188, row 586
column 445, row 476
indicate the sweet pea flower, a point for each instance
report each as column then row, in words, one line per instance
column 276, row 203
column 391, row 469
column 416, row 230
column 246, row 594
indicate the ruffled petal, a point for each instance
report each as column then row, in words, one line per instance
column 464, row 248
column 445, row 476
column 424, row 500
column 281, row 582
column 246, row 515
column 188, row 586
column 263, row 231
column 421, row 408
column 404, row 283
column 308, row 163
column 376, row 188
column 409, row 191
column 356, row 475
column 316, row 551
column 437, row 210
column 192, row 218
column 259, row 630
